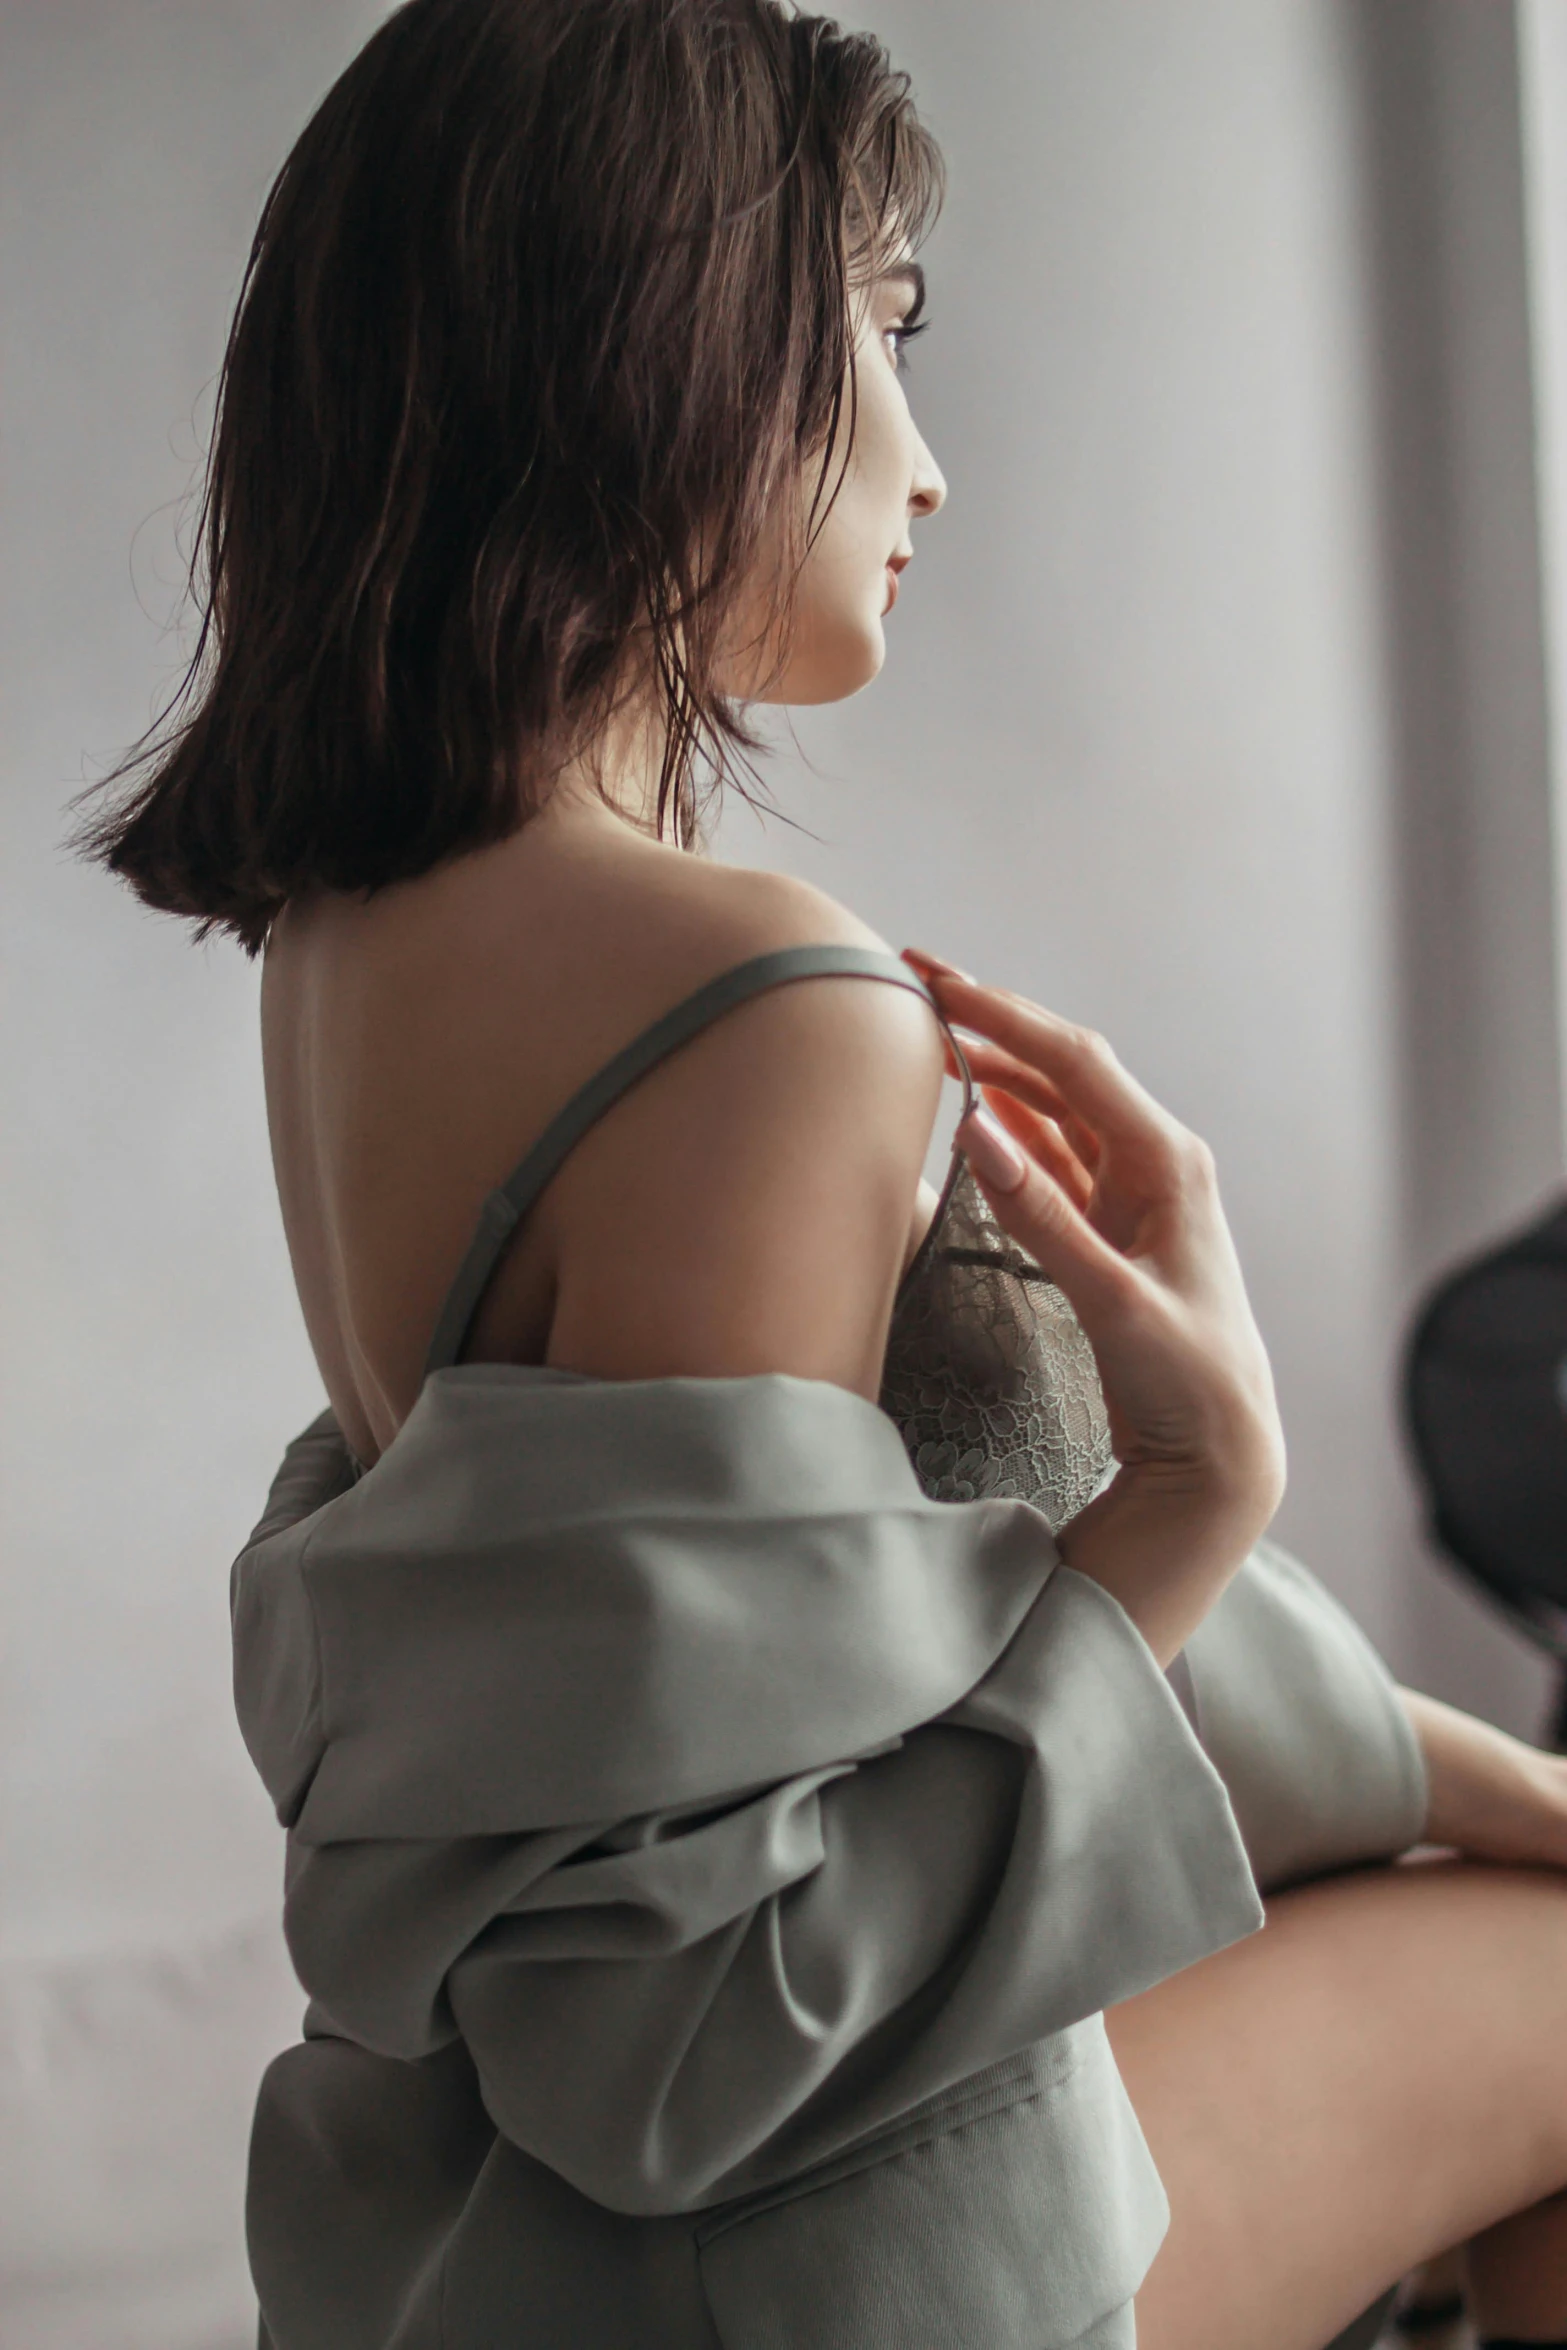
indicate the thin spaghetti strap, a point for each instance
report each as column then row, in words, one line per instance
column 506, row 1205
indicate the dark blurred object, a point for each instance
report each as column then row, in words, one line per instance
column 1366, row 2331
column 1485, row 1405
column 1430, row 2306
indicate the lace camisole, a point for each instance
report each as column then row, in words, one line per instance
column 988, row 1373
column 991, row 1380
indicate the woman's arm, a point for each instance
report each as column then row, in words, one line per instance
column 1117, row 1202
column 1491, row 1795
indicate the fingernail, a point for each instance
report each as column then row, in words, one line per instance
column 990, row 1151
column 935, row 963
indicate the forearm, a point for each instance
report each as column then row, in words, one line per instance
column 1492, row 1795
column 1166, row 1542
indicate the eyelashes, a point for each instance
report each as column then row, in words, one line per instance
column 906, row 334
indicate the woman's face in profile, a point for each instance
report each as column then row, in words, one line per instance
column 848, row 582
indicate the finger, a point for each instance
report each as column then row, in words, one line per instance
column 990, row 1062
column 1043, row 1140
column 928, row 965
column 1077, row 1061
column 992, row 1067
column 950, row 1056
column 1030, row 1205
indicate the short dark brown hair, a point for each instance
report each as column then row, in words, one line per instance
column 548, row 310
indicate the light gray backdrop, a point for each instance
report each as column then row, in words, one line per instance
column 1216, row 714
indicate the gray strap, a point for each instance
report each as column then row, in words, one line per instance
column 504, row 1208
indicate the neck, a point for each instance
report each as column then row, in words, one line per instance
column 618, row 771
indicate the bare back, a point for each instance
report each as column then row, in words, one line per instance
column 415, row 1043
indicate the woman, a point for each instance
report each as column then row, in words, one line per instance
column 759, row 1881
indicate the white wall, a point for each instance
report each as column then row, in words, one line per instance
column 157, row 1359
column 1136, row 751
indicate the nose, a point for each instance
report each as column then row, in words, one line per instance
column 928, row 490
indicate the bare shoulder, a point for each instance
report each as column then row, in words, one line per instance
column 512, row 975
column 824, row 1049
column 658, row 927
column 747, row 905
column 735, row 915
column 692, row 911
column 747, row 1206
column 750, row 1206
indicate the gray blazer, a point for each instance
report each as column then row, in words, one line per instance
column 709, row 1859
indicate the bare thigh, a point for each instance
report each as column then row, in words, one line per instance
column 1376, row 2074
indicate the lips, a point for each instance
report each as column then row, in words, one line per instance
column 892, row 589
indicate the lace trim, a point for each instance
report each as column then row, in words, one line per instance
column 989, row 1373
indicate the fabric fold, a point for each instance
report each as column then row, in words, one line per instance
column 725, row 1795
column 559, row 1599
column 1305, row 1725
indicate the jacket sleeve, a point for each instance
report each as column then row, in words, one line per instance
column 1305, row 1726
column 675, row 2004
column 683, row 2008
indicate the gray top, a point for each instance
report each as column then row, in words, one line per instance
column 713, row 1840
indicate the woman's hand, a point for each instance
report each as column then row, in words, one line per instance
column 1492, row 1796
column 1118, row 1204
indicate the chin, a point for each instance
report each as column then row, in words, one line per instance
column 839, row 665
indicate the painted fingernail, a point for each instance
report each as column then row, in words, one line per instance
column 990, row 1151
column 935, row 963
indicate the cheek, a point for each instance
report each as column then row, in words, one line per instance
column 884, row 446
column 838, row 643
column 841, row 597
